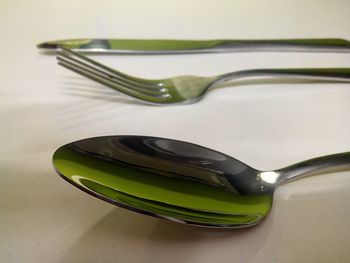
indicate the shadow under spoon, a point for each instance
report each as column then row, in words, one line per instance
column 179, row 181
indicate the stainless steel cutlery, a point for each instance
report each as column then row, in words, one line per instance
column 176, row 180
column 172, row 46
column 181, row 89
column 180, row 181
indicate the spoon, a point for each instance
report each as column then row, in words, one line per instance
column 179, row 181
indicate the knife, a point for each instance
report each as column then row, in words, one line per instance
column 172, row 46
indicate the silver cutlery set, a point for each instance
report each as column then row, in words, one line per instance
column 176, row 180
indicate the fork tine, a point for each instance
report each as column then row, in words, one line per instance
column 122, row 76
column 101, row 80
column 109, row 72
column 107, row 76
column 120, row 80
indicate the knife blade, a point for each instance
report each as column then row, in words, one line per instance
column 172, row 46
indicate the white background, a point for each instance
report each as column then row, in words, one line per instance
column 268, row 125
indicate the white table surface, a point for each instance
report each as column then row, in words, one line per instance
column 267, row 125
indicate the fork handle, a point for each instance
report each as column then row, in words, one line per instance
column 324, row 74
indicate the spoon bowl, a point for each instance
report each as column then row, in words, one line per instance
column 179, row 181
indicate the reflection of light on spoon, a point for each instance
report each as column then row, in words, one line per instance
column 269, row 177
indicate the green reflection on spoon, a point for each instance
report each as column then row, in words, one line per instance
column 165, row 196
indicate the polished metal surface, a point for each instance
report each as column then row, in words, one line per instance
column 180, row 181
column 182, row 89
column 169, row 46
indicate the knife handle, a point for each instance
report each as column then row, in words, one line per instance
column 286, row 45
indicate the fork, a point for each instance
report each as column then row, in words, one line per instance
column 185, row 88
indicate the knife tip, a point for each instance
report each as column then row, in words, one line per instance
column 48, row 46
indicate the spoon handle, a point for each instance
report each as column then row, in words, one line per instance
column 324, row 164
